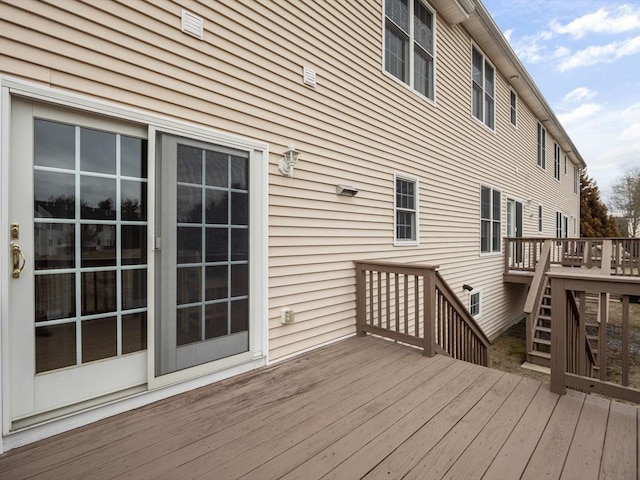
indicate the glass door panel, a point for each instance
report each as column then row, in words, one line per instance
column 204, row 259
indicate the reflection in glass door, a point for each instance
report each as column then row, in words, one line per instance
column 204, row 255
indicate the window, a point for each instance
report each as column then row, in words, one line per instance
column 483, row 89
column 542, row 144
column 576, row 179
column 539, row 218
column 406, row 207
column 556, row 161
column 565, row 165
column 409, row 44
column 474, row 304
column 490, row 228
column 514, row 109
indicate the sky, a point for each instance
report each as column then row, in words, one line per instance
column 584, row 56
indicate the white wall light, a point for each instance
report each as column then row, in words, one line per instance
column 288, row 161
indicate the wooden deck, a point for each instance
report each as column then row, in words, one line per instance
column 361, row 408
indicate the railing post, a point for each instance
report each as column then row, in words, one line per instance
column 558, row 336
column 429, row 311
column 360, row 299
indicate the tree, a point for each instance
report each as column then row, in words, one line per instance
column 595, row 220
column 625, row 200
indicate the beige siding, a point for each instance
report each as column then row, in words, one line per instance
column 358, row 126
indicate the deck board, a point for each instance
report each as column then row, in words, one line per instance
column 361, row 408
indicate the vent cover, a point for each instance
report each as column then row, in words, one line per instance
column 309, row 76
column 192, row 24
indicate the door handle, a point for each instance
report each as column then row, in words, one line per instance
column 16, row 255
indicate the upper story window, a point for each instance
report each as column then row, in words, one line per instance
column 542, row 146
column 406, row 210
column 540, row 219
column 409, row 44
column 514, row 109
column 490, row 226
column 576, row 179
column 483, row 89
column 556, row 161
column 565, row 164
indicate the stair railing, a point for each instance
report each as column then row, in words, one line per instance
column 536, row 291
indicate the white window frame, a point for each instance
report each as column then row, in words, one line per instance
column 492, row 221
column 562, row 225
column 478, row 294
column 565, row 165
column 576, row 180
column 402, row 242
column 513, row 108
column 540, row 218
column 542, row 147
column 483, row 119
column 409, row 81
column 556, row 161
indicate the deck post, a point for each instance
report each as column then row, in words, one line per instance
column 558, row 335
column 429, row 312
column 360, row 299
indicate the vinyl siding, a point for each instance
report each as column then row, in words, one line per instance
column 358, row 126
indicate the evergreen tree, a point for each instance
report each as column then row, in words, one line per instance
column 595, row 220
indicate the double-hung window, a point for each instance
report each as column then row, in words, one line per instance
column 556, row 161
column 406, row 210
column 483, row 89
column 409, row 44
column 576, row 180
column 542, row 145
column 490, row 226
column 540, row 223
column 475, row 305
column 562, row 225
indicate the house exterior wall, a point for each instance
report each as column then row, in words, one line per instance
column 358, row 126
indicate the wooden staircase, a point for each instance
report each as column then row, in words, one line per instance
column 540, row 351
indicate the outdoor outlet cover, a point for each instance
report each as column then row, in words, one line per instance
column 287, row 317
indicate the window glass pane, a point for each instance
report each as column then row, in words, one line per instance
column 189, row 164
column 133, row 201
column 239, row 208
column 97, row 151
column 485, row 202
column 217, row 169
column 133, row 157
column 55, row 347
column 398, row 11
column 239, row 244
column 216, row 321
column 188, row 325
column 98, row 245
column 239, row 280
column 422, row 30
column 477, row 67
column 396, row 54
column 189, row 245
column 97, row 198
column 99, row 339
column 54, row 195
column 55, row 296
column 189, row 204
column 405, row 226
column 54, row 245
column 489, row 112
column 189, row 285
column 217, row 207
column 476, row 97
column 497, row 240
column 484, row 235
column 216, row 282
column 134, row 332
column 134, row 288
column 99, row 292
column 488, row 76
column 54, row 144
column 217, row 245
column 134, row 244
column 239, row 316
column 240, row 172
column 423, row 73
column 496, row 205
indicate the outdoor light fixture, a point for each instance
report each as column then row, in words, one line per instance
column 346, row 190
column 467, row 287
column 288, row 161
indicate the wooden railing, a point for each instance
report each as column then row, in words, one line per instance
column 572, row 363
column 523, row 254
column 415, row 305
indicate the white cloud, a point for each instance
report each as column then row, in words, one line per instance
column 531, row 48
column 579, row 113
column 578, row 94
column 624, row 19
column 593, row 55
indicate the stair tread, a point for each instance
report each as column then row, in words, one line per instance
column 542, row 341
column 537, row 353
column 544, row 329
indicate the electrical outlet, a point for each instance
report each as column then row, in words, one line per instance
column 287, row 316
